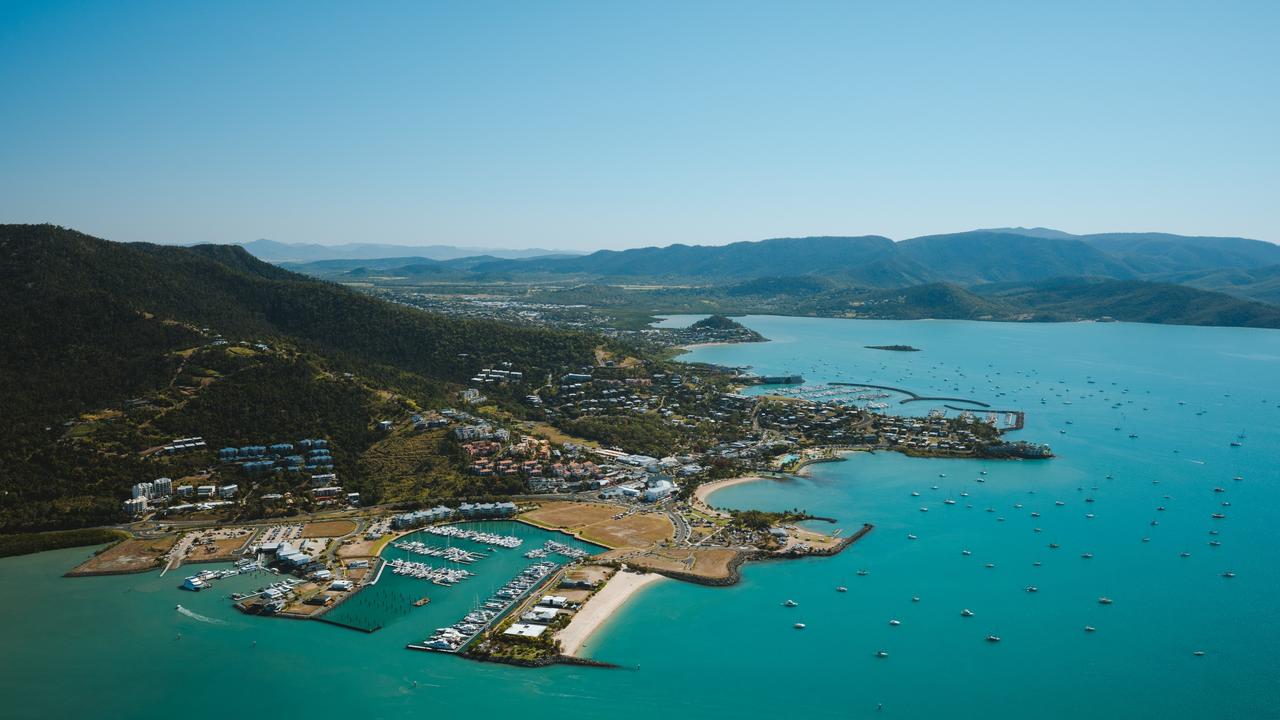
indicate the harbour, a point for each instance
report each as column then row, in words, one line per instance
column 1138, row 657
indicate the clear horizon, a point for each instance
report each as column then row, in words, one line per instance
column 578, row 126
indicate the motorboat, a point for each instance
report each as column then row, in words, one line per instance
column 966, row 613
column 799, row 626
column 1032, row 588
column 790, row 603
column 1105, row 601
column 842, row 588
column 895, row 622
column 993, row 638
column 881, row 654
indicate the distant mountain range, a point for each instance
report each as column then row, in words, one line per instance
column 278, row 252
column 1237, row 266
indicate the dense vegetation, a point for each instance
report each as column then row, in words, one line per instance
column 113, row 348
column 24, row 543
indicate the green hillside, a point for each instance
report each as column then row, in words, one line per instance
column 112, row 348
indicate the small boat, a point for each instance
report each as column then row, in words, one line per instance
column 993, row 638
column 1087, row 555
column 1059, row 503
column 1185, row 555
column 1054, row 546
column 895, row 622
column 1089, row 515
column 1105, row 601
column 790, row 603
column 990, row 565
column 924, row 509
column 1090, row 628
column 842, row 588
column 1198, row 653
column 1214, row 543
column 881, row 654
column 948, row 501
column 178, row 608
column 912, row 537
column 966, row 613
column 1228, row 574
column 799, row 626
column 915, row 598
column 1218, row 516
column 915, row 494
column 1035, row 564
column 965, row 552
column 862, row 573
column 1031, row 588
column 421, row 601
column 1235, row 444
column 1035, row 514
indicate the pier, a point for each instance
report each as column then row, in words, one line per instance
column 912, row 396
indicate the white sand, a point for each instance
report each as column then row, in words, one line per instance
column 704, row 490
column 600, row 607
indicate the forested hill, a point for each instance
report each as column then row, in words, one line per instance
column 76, row 304
column 92, row 327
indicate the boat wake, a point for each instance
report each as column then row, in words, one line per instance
column 201, row 618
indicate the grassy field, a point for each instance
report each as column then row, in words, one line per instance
column 328, row 529
column 594, row 522
column 707, row 562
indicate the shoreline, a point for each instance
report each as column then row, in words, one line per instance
column 600, row 607
column 706, row 490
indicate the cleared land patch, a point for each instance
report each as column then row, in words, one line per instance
column 328, row 529
column 133, row 555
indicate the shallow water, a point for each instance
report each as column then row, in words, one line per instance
column 109, row 647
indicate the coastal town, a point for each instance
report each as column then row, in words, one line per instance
column 280, row 509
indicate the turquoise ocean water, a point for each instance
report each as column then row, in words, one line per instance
column 109, row 647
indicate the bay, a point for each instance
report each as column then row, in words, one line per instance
column 109, row 646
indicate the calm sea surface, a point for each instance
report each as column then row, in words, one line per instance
column 110, row 647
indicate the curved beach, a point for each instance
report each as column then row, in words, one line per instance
column 705, row 490
column 600, row 607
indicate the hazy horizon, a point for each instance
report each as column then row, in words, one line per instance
column 580, row 126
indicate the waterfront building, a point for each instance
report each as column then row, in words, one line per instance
column 525, row 630
column 658, row 489
column 418, row 518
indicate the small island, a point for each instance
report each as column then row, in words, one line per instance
column 894, row 348
column 715, row 329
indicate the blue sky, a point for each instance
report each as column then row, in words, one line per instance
column 602, row 124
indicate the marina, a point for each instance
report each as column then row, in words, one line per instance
column 455, row 638
column 422, row 571
column 451, row 554
column 484, row 538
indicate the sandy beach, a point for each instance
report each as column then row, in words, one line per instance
column 600, row 607
column 704, row 490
